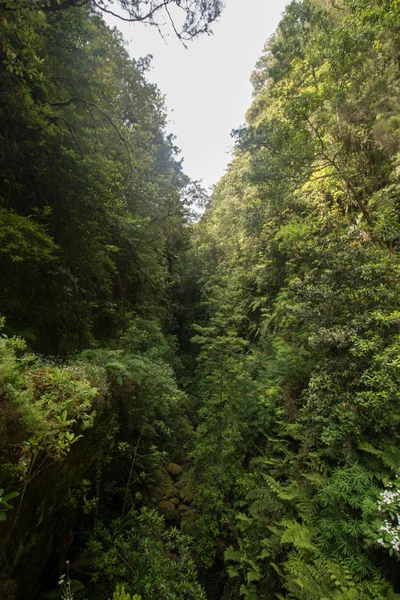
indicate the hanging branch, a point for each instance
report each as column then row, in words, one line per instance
column 135, row 18
column 87, row 104
column 178, row 35
column 59, row 118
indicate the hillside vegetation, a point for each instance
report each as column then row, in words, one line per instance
column 212, row 409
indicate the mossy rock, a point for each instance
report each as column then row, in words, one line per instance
column 185, row 489
column 175, row 501
column 174, row 469
column 168, row 510
column 166, row 489
column 186, row 495
column 169, row 492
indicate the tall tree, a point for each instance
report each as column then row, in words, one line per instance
column 89, row 177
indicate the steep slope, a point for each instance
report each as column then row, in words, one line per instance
column 297, row 446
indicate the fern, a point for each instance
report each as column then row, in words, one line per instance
column 298, row 535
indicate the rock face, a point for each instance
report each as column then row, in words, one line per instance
column 174, row 496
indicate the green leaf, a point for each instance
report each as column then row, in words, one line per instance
column 10, row 496
column 231, row 554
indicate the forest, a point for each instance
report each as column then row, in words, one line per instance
column 199, row 408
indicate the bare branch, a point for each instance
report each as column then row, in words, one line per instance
column 136, row 18
column 178, row 35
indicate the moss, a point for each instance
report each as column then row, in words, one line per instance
column 174, row 469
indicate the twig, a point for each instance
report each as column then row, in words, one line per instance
column 178, row 35
column 135, row 18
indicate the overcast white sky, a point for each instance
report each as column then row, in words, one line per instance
column 207, row 86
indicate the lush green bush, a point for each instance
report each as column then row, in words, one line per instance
column 156, row 560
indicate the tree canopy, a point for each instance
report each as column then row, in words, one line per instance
column 197, row 15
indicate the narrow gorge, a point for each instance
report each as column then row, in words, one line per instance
column 201, row 408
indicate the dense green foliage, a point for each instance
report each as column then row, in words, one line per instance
column 298, row 338
column 93, row 206
column 198, row 14
column 208, row 418
column 91, row 216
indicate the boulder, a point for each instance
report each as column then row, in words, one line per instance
column 166, row 489
column 167, row 509
column 185, row 489
column 186, row 495
column 174, row 469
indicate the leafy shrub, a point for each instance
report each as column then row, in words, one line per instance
column 154, row 559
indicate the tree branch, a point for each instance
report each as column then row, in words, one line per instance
column 59, row 118
column 135, row 18
column 178, row 35
column 78, row 99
